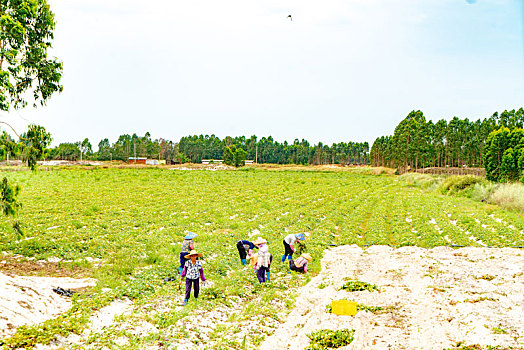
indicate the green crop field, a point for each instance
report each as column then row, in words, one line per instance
column 131, row 222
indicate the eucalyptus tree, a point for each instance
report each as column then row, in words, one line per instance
column 25, row 37
column 27, row 73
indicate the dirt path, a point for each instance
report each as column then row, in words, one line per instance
column 432, row 298
column 30, row 300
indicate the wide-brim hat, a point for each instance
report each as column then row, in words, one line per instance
column 259, row 240
column 307, row 257
column 193, row 252
column 301, row 236
column 190, row 235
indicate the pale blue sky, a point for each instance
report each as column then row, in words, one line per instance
column 341, row 70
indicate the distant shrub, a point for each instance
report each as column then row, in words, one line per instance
column 456, row 184
column 510, row 195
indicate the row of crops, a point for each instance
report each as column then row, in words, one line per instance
column 129, row 219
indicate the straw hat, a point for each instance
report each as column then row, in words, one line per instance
column 190, row 235
column 307, row 257
column 259, row 240
column 193, row 252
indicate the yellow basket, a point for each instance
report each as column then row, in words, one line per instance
column 344, row 307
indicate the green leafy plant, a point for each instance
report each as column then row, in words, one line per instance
column 373, row 309
column 356, row 286
column 487, row 277
column 328, row 339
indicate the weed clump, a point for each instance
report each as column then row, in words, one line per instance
column 357, row 286
column 461, row 185
column 423, row 181
column 509, row 196
column 327, row 339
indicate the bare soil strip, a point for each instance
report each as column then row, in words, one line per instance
column 31, row 300
column 431, row 298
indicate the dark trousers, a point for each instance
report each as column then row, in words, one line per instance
column 261, row 274
column 241, row 250
column 287, row 249
column 293, row 267
column 183, row 259
column 196, row 284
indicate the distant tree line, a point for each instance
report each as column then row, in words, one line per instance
column 195, row 148
column 267, row 150
column 418, row 143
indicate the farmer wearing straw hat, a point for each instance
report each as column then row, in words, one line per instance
column 245, row 248
column 301, row 264
column 263, row 262
column 192, row 271
column 289, row 241
column 187, row 246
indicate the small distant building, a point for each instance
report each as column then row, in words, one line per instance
column 249, row 162
column 137, row 160
column 212, row 161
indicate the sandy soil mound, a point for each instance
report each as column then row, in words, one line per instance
column 432, row 298
column 30, row 300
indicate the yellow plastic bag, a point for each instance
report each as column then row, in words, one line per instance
column 344, row 307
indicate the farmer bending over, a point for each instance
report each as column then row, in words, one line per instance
column 187, row 246
column 289, row 241
column 192, row 271
column 245, row 248
column 301, row 264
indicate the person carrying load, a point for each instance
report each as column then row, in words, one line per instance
column 245, row 248
column 193, row 272
column 301, row 264
column 289, row 242
column 263, row 261
column 187, row 246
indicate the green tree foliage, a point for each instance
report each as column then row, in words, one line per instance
column 26, row 31
column 505, row 154
column 35, row 143
column 8, row 146
column 229, row 154
column 65, row 151
column 418, row 143
column 9, row 204
column 85, row 148
column 239, row 158
column 234, row 156
column 104, row 150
